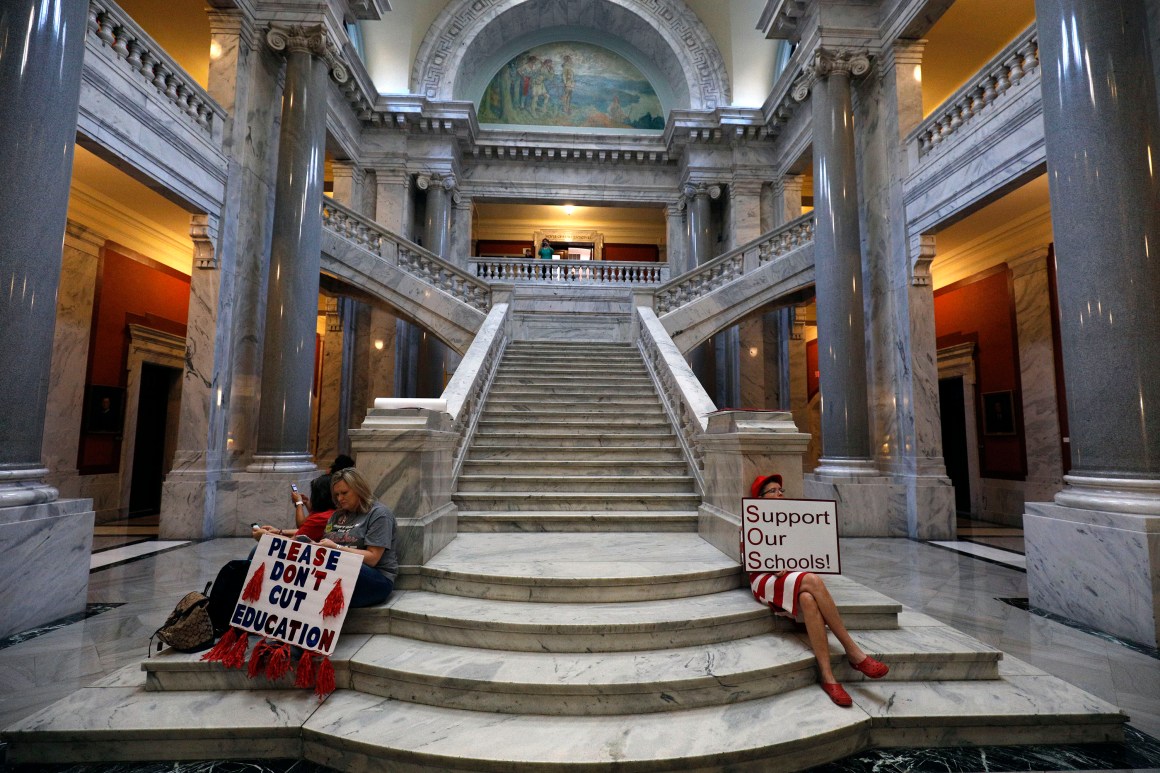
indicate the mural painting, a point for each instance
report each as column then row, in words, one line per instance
column 571, row 84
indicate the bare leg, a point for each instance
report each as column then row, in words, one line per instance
column 827, row 610
column 816, row 629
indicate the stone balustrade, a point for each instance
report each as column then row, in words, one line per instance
column 112, row 29
column 584, row 272
column 408, row 256
column 467, row 390
column 1017, row 62
column 722, row 270
column 686, row 401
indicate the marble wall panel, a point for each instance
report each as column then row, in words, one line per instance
column 1041, row 430
column 754, row 355
column 329, row 397
column 70, row 352
column 259, row 498
column 863, row 504
column 381, row 360
column 1102, row 569
column 50, row 545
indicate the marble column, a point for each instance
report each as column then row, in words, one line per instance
column 677, row 241
column 357, row 353
column 784, row 205
column 461, row 229
column 838, row 267
column 1094, row 555
column 44, row 541
column 441, row 198
column 742, row 346
column 700, row 251
column 330, row 387
column 283, row 443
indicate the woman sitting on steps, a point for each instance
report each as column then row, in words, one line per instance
column 804, row 597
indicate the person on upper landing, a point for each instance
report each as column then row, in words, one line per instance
column 804, row 597
column 546, row 251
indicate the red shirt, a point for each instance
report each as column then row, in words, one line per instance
column 314, row 525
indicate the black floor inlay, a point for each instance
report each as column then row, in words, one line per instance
column 32, row 633
column 1135, row 646
column 1139, row 751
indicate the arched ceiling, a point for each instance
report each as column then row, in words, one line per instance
column 469, row 39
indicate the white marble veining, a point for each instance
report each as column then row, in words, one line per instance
column 116, row 555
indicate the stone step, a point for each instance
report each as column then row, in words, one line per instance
column 581, row 400
column 607, row 423
column 537, row 465
column 605, row 383
column 602, row 363
column 356, row 731
column 576, row 438
column 585, row 567
column 578, row 521
column 583, row 500
column 668, row 451
column 534, row 410
column 590, row 684
column 789, row 731
column 599, row 626
column 639, row 484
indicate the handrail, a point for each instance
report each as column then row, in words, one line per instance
column 110, row 26
column 467, row 390
column 585, row 272
column 722, row 270
column 686, row 402
column 420, row 263
column 1018, row 60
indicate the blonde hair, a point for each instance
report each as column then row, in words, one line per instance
column 358, row 486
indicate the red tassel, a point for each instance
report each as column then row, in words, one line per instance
column 325, row 684
column 222, row 648
column 258, row 657
column 253, row 590
column 279, row 663
column 304, row 677
column 236, row 657
column 335, row 601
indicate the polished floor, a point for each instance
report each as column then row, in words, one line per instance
column 976, row 584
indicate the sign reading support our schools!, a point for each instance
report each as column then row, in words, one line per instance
column 298, row 580
column 795, row 535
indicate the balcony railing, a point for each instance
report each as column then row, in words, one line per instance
column 576, row 272
column 1019, row 60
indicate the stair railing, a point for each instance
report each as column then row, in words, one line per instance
column 467, row 390
column 686, row 402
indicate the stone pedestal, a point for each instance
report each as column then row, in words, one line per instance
column 739, row 446
column 863, row 503
column 1099, row 567
column 46, row 549
column 406, row 455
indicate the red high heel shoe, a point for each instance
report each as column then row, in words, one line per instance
column 838, row 694
column 871, row 668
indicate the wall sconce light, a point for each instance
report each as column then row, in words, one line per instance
column 569, row 209
column 918, row 73
column 215, row 50
column 753, row 351
column 378, row 344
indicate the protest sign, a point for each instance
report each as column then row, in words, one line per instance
column 297, row 592
column 796, row 535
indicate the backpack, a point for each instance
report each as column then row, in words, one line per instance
column 188, row 627
column 225, row 592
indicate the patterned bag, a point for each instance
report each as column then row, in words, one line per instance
column 188, row 627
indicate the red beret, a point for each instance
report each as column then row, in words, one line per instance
column 760, row 481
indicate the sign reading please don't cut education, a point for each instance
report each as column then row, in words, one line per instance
column 795, row 535
column 297, row 592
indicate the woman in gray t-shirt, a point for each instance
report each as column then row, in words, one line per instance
column 362, row 525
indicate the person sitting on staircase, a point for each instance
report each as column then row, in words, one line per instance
column 804, row 597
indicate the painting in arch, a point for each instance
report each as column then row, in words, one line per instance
column 571, row 84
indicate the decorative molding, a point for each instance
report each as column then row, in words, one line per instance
column 203, row 229
column 313, row 40
column 922, row 256
column 692, row 190
column 101, row 215
column 826, row 62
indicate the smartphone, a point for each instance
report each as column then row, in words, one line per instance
column 254, row 525
column 294, row 487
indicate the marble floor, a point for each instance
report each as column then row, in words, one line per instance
column 953, row 582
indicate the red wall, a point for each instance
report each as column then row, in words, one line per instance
column 129, row 290
column 981, row 308
column 648, row 253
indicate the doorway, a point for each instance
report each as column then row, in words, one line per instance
column 954, row 439
column 156, row 436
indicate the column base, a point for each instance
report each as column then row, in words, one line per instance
column 282, row 463
column 837, row 467
column 1098, row 567
column 863, row 503
column 44, row 553
column 1117, row 495
column 19, row 488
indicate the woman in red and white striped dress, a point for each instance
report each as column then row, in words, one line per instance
column 804, row 597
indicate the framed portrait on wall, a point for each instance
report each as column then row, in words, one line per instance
column 104, row 409
column 999, row 413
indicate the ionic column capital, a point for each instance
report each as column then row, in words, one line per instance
column 826, row 62
column 313, row 40
column 693, row 190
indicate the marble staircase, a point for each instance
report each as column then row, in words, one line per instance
column 585, row 632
